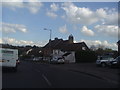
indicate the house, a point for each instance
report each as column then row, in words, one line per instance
column 64, row 48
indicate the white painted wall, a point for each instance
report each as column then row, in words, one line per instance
column 68, row 59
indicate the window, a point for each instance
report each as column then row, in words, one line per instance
column 6, row 51
column 83, row 48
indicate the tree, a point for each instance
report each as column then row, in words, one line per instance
column 93, row 48
column 102, row 47
column 85, row 56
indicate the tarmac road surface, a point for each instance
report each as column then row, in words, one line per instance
column 38, row 75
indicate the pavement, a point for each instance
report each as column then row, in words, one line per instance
column 109, row 74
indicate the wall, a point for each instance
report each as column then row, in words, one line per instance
column 68, row 59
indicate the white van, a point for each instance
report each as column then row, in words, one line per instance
column 8, row 58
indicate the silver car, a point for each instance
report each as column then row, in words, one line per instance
column 57, row 60
column 104, row 61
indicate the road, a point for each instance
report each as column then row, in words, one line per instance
column 38, row 75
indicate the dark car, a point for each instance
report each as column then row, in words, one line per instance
column 116, row 62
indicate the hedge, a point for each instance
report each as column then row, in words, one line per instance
column 85, row 56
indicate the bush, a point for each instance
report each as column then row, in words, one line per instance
column 85, row 56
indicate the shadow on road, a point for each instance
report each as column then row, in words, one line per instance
column 8, row 70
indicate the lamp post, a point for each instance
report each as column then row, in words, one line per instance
column 49, row 40
column 50, row 32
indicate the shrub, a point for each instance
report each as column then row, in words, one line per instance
column 85, row 56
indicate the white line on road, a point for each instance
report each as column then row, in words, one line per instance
column 45, row 78
column 48, row 82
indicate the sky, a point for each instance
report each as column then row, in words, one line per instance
column 95, row 23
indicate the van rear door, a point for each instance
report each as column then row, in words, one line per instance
column 8, row 58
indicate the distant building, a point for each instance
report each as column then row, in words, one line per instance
column 60, row 47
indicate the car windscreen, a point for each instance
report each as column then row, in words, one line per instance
column 105, row 58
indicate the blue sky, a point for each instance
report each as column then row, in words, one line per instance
column 95, row 23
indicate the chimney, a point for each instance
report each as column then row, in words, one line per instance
column 49, row 40
column 71, row 38
column 56, row 38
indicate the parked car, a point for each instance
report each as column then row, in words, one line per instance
column 57, row 60
column 61, row 60
column 115, row 62
column 104, row 61
column 37, row 58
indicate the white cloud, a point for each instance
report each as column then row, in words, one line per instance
column 63, row 29
column 76, row 14
column 87, row 32
column 109, row 30
column 111, row 19
column 13, row 41
column 20, row 0
column 0, row 40
column 33, row 7
column 101, row 13
column 75, row 41
column 98, row 43
column 86, row 16
column 51, row 14
column 12, row 28
column 54, row 7
column 12, row 1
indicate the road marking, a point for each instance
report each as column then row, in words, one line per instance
column 48, row 82
column 45, row 78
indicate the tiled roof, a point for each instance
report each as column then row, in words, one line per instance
column 65, row 45
column 73, row 46
column 53, row 43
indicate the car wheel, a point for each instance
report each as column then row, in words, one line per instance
column 103, row 64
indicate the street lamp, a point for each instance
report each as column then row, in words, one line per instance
column 50, row 32
column 49, row 40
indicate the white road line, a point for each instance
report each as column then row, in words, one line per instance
column 45, row 78
column 48, row 82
